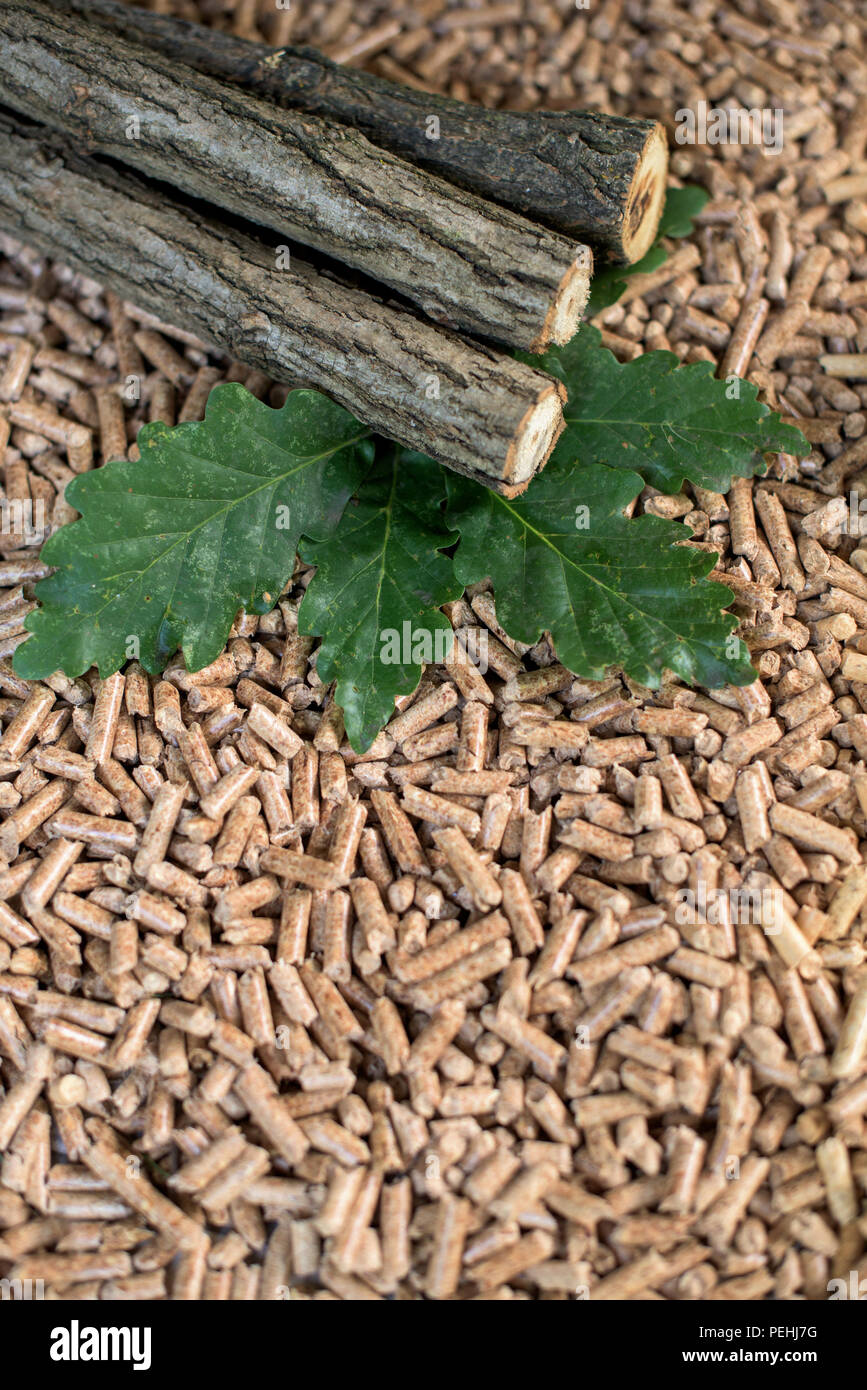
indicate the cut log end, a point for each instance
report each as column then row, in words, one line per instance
column 535, row 437
column 646, row 197
column 567, row 307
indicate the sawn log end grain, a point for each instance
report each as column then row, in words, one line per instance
column 646, row 197
column 535, row 437
column 568, row 304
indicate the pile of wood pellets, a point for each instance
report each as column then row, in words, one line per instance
column 559, row 991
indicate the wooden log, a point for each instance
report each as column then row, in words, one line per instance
column 595, row 177
column 472, row 408
column 469, row 264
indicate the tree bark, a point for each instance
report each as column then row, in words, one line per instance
column 469, row 264
column 595, row 177
column 470, row 407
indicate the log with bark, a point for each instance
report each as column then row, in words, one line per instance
column 491, row 417
column 467, row 263
column 596, row 177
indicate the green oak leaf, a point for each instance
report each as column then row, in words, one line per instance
column 169, row 548
column 681, row 206
column 381, row 578
column 666, row 421
column 611, row 590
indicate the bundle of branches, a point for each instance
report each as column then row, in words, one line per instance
column 596, row 177
column 468, row 264
column 425, row 260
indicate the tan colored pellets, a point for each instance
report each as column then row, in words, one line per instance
column 469, row 867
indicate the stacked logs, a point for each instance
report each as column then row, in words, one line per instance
column 457, row 221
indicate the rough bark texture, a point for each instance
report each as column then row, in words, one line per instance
column 298, row 325
column 469, row 264
column 575, row 170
